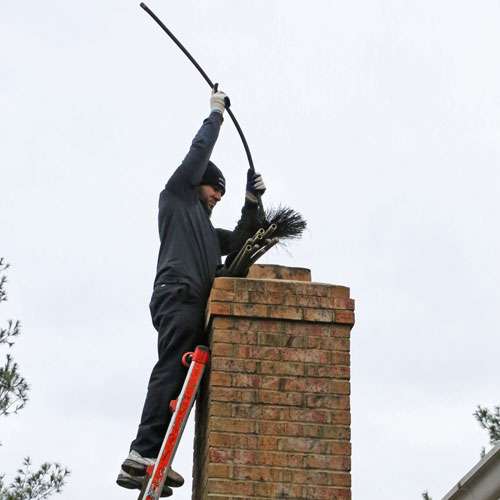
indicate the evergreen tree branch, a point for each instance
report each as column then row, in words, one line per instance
column 3, row 279
column 490, row 421
column 38, row 485
column 7, row 334
column 13, row 388
column 49, row 478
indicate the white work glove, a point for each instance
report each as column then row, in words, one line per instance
column 219, row 101
column 255, row 186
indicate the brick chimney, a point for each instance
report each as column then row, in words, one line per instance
column 273, row 414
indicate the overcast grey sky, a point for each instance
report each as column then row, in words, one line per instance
column 378, row 120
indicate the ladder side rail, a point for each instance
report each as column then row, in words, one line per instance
column 177, row 424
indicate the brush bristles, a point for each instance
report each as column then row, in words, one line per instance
column 289, row 224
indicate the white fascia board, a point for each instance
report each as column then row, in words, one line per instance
column 482, row 482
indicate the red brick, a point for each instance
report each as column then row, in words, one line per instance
column 316, row 356
column 224, row 350
column 225, row 440
column 329, row 344
column 233, row 365
column 310, row 415
column 278, row 368
column 220, row 470
column 343, row 303
column 246, row 380
column 257, row 473
column 338, row 291
column 343, row 316
column 222, row 295
column 270, row 383
column 340, row 387
column 330, row 462
column 230, row 487
column 318, row 478
column 250, row 310
column 331, row 401
column 321, row 315
column 224, row 323
column 250, row 285
column 281, row 340
column 320, row 416
column 278, row 490
column 265, row 325
column 340, row 358
column 234, row 337
column 280, row 398
column 313, row 301
column 267, row 443
column 245, row 410
column 220, row 308
column 313, row 385
column 271, row 271
column 327, row 493
column 342, row 330
column 285, row 312
column 232, row 425
column 281, row 287
column 217, row 455
column 308, row 328
column 242, row 296
column 231, row 394
column 220, row 378
column 336, row 432
column 268, row 458
column 314, row 446
column 336, row 371
column 269, row 298
column 220, row 409
column 224, row 284
column 257, row 352
column 245, row 457
column 275, row 413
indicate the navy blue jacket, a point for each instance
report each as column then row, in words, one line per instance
column 191, row 248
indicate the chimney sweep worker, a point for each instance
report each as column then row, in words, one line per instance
column 189, row 259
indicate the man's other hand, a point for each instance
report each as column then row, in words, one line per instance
column 255, row 186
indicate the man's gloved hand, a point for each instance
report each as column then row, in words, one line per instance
column 219, row 101
column 255, row 186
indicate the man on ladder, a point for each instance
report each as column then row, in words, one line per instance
column 189, row 258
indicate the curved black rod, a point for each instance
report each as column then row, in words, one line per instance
column 207, row 79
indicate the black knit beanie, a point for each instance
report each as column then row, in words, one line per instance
column 213, row 177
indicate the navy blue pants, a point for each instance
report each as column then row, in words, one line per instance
column 179, row 320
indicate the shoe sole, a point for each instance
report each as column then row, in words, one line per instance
column 136, row 469
column 130, row 484
column 137, row 484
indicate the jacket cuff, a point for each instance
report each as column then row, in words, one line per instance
column 250, row 205
column 217, row 115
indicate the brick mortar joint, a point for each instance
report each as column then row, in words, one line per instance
column 284, row 468
column 264, row 420
column 337, row 315
column 281, row 305
column 225, row 283
column 229, row 480
column 283, row 297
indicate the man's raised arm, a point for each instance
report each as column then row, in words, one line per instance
column 189, row 174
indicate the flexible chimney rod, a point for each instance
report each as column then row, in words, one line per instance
column 207, row 79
